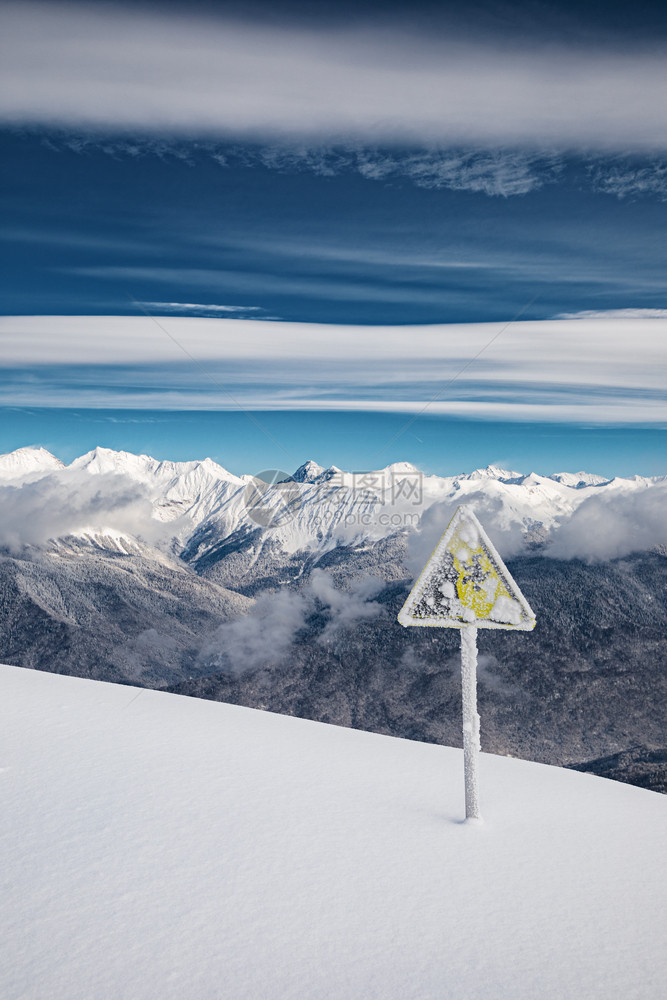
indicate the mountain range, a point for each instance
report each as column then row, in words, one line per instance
column 281, row 592
column 317, row 508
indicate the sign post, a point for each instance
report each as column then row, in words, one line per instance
column 466, row 585
column 471, row 743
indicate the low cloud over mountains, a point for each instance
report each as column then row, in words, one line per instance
column 202, row 506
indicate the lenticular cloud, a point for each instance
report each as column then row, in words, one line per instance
column 113, row 66
column 466, row 370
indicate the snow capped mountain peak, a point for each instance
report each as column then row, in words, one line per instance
column 28, row 461
column 205, row 470
column 190, row 490
column 535, row 479
column 308, row 472
column 144, row 468
column 493, row 472
column 400, row 468
column 578, row 480
column 209, row 465
column 105, row 460
column 311, row 472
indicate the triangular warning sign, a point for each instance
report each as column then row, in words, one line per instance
column 465, row 582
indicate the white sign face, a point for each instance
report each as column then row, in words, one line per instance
column 465, row 582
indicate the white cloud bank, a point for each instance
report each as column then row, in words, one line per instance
column 65, row 501
column 261, row 638
column 344, row 608
column 114, row 66
column 608, row 526
column 264, row 637
column 606, row 369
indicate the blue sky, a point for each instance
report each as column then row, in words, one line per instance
column 284, row 439
column 363, row 166
column 89, row 222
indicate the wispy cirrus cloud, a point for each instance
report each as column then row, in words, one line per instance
column 124, row 67
column 499, row 172
column 198, row 308
column 616, row 314
column 582, row 370
column 630, row 179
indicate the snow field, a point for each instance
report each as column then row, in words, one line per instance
column 155, row 846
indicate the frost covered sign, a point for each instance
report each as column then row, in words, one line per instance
column 466, row 585
column 465, row 582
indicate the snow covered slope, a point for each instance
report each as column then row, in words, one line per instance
column 157, row 846
column 193, row 488
column 26, row 462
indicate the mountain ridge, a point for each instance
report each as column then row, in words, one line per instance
column 319, row 508
column 105, row 459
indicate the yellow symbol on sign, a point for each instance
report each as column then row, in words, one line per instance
column 465, row 582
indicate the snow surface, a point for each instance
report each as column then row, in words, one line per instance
column 160, row 847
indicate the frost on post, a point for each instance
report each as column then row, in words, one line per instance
column 466, row 585
column 471, row 743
